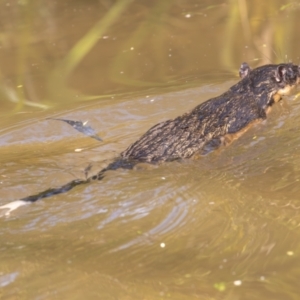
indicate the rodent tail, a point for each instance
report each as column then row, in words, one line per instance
column 117, row 164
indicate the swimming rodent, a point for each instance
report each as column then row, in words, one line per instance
column 208, row 126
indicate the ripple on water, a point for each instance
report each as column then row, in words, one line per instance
column 7, row 279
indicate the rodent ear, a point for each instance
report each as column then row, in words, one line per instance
column 280, row 72
column 244, row 70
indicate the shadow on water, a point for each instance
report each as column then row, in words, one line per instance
column 223, row 226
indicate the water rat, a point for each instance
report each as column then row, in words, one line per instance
column 208, row 126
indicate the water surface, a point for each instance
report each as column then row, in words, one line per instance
column 224, row 226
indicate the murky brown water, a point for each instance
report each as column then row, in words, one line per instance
column 223, row 227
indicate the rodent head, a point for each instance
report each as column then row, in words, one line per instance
column 273, row 80
column 287, row 77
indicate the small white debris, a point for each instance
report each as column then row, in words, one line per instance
column 290, row 253
column 262, row 278
column 85, row 122
column 162, row 245
column 163, row 178
column 152, row 100
column 105, row 37
column 211, row 203
column 78, row 150
column 188, row 15
column 237, row 282
column 132, row 48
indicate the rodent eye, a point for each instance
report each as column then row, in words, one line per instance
column 291, row 74
column 285, row 73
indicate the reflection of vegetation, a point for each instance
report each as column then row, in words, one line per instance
column 160, row 41
column 16, row 95
column 263, row 31
column 152, row 23
column 88, row 41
